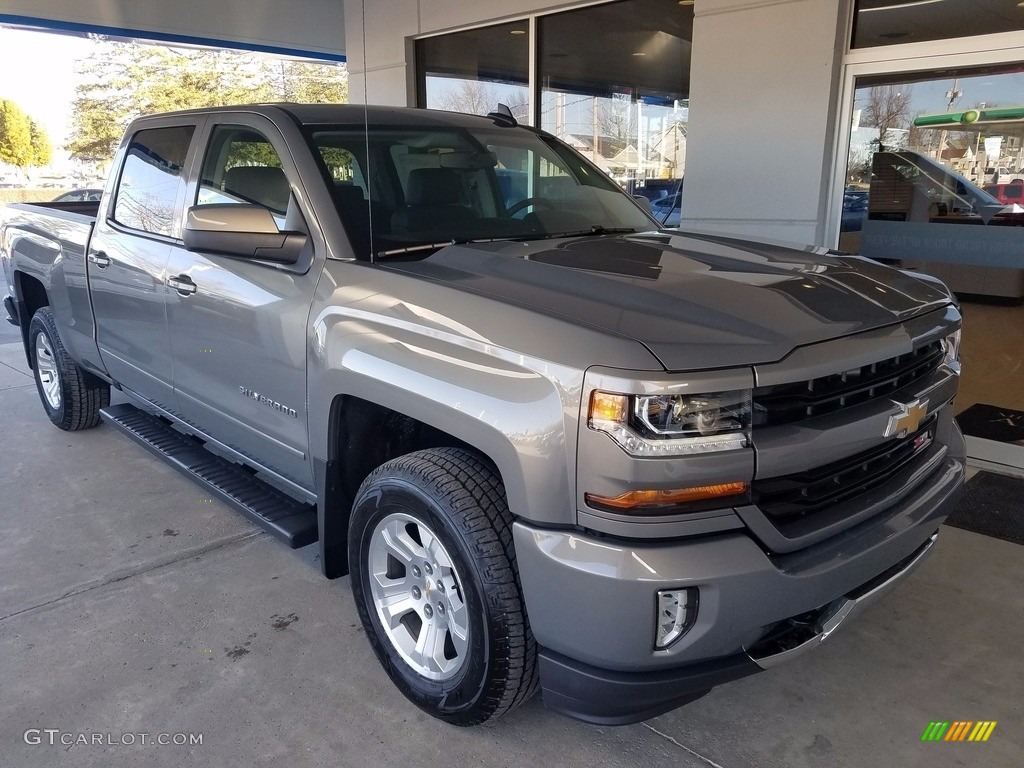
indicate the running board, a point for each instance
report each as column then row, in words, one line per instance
column 274, row 510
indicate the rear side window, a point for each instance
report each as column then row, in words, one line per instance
column 151, row 179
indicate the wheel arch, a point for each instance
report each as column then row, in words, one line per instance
column 363, row 434
column 30, row 295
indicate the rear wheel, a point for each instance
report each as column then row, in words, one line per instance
column 436, row 588
column 71, row 396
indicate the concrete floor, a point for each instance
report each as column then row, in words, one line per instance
column 130, row 603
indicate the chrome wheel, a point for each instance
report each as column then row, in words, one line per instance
column 418, row 596
column 47, row 371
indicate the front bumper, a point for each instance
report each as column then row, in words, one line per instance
column 591, row 602
column 618, row 698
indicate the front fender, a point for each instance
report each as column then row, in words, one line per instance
column 519, row 411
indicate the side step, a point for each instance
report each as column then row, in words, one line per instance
column 276, row 511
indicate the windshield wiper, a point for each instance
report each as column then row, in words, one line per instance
column 437, row 246
column 412, row 249
column 597, row 229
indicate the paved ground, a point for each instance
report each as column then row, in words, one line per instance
column 131, row 604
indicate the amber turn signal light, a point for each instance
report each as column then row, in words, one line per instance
column 652, row 500
column 608, row 407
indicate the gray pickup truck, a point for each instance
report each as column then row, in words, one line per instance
column 556, row 447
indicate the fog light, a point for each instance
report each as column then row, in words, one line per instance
column 677, row 612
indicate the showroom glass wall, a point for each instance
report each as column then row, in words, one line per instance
column 934, row 109
column 612, row 80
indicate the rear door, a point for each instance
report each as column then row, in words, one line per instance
column 238, row 327
column 128, row 254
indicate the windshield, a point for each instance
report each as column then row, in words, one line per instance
column 412, row 190
column 945, row 188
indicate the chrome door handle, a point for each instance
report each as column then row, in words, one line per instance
column 100, row 259
column 182, row 284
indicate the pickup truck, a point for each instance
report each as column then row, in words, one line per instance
column 552, row 446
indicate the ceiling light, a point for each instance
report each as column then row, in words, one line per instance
column 517, row 32
column 686, row 2
column 639, row 53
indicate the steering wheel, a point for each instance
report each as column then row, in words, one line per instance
column 515, row 208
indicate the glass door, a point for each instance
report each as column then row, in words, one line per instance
column 934, row 182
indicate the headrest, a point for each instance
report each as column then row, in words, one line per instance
column 349, row 194
column 433, row 186
column 261, row 184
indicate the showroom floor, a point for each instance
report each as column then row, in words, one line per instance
column 129, row 603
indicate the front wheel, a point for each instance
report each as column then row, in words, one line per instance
column 71, row 396
column 436, row 588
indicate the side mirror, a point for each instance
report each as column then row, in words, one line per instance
column 241, row 230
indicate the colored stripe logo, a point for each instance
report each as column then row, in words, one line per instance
column 959, row 730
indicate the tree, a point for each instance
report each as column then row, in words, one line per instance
column 307, row 83
column 42, row 150
column 616, row 120
column 15, row 135
column 888, row 108
column 478, row 97
column 120, row 81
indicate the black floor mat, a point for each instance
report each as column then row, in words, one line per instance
column 993, row 423
column 992, row 505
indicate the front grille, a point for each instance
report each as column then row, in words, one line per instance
column 790, row 497
column 788, row 403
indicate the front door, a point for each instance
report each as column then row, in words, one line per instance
column 238, row 326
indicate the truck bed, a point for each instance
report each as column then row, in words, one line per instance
column 46, row 243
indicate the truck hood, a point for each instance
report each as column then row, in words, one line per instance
column 695, row 301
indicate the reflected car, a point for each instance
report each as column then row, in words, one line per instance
column 1007, row 194
column 89, row 195
column 668, row 210
column 855, row 210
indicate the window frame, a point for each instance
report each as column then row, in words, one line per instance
column 898, row 59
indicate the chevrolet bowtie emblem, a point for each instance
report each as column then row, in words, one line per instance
column 907, row 419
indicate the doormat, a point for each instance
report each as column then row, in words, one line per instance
column 993, row 423
column 992, row 505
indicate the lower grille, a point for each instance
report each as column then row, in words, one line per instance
column 790, row 497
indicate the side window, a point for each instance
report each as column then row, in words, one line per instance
column 242, row 166
column 344, row 168
column 523, row 173
column 151, row 179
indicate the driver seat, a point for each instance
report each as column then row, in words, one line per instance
column 433, row 203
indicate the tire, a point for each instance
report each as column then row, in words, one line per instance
column 71, row 397
column 435, row 517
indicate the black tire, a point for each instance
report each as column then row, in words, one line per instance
column 78, row 393
column 460, row 498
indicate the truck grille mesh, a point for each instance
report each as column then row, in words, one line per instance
column 789, row 403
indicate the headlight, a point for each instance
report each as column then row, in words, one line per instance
column 673, row 425
column 951, row 346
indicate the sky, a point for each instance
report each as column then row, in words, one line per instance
column 1005, row 89
column 37, row 73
